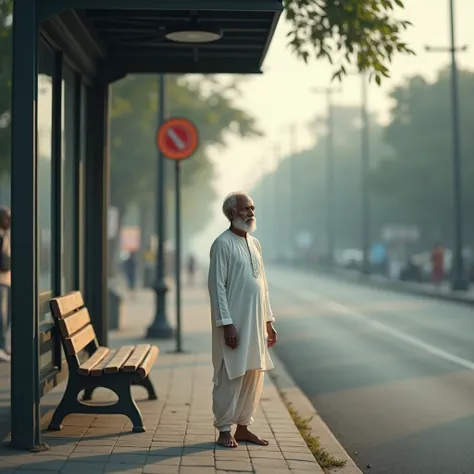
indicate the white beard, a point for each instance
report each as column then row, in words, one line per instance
column 245, row 226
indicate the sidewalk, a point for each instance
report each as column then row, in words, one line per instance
column 180, row 437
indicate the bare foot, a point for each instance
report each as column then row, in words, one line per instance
column 226, row 440
column 242, row 433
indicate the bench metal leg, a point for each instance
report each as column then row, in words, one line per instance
column 130, row 408
column 121, row 386
column 146, row 383
column 69, row 404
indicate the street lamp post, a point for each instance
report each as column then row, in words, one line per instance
column 365, row 163
column 329, row 172
column 459, row 281
column 160, row 328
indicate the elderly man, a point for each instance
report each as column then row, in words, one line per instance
column 5, row 283
column 242, row 323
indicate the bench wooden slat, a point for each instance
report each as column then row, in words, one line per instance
column 136, row 358
column 78, row 341
column 63, row 305
column 119, row 359
column 68, row 326
column 98, row 356
column 148, row 362
column 99, row 368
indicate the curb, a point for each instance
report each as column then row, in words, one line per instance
column 290, row 392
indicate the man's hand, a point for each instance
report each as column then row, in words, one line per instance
column 272, row 334
column 231, row 336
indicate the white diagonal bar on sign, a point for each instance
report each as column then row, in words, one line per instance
column 175, row 139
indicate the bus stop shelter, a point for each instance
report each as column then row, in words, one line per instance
column 66, row 53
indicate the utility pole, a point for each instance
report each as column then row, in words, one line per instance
column 459, row 281
column 261, row 201
column 292, row 191
column 275, row 223
column 365, row 164
column 160, row 328
column 292, row 129
column 328, row 91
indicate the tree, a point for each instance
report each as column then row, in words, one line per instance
column 133, row 129
column 419, row 178
column 344, row 32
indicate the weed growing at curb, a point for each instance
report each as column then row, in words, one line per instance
column 324, row 459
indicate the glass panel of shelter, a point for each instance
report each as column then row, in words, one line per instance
column 72, row 150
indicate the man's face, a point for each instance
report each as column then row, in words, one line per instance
column 244, row 215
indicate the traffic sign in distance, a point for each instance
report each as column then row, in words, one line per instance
column 177, row 138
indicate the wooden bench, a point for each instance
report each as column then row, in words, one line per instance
column 92, row 366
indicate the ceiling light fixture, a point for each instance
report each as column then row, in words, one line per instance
column 193, row 33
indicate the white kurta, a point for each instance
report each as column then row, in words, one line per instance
column 239, row 295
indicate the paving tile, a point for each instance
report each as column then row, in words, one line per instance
column 162, row 469
column 198, row 461
column 93, row 449
column 196, row 470
column 265, row 470
column 130, row 450
column 267, row 455
column 270, row 463
column 122, row 468
column 81, row 468
column 51, row 463
column 234, row 466
column 304, row 465
column 232, row 454
column 96, row 442
column 305, row 456
column 163, row 461
column 127, row 458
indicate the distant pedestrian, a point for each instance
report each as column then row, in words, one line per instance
column 191, row 267
column 242, row 323
column 5, row 284
column 437, row 263
column 130, row 266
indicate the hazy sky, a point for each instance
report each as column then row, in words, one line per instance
column 283, row 94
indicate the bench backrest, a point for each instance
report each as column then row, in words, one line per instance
column 74, row 327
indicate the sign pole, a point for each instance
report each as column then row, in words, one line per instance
column 178, row 255
column 178, row 139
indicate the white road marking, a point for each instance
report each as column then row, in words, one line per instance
column 176, row 140
column 382, row 327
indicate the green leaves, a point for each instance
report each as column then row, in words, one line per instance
column 208, row 102
column 363, row 33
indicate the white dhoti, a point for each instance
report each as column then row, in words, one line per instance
column 234, row 401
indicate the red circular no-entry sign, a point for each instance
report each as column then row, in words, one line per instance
column 177, row 138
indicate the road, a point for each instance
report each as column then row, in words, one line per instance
column 391, row 374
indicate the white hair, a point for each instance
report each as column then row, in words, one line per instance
column 230, row 203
